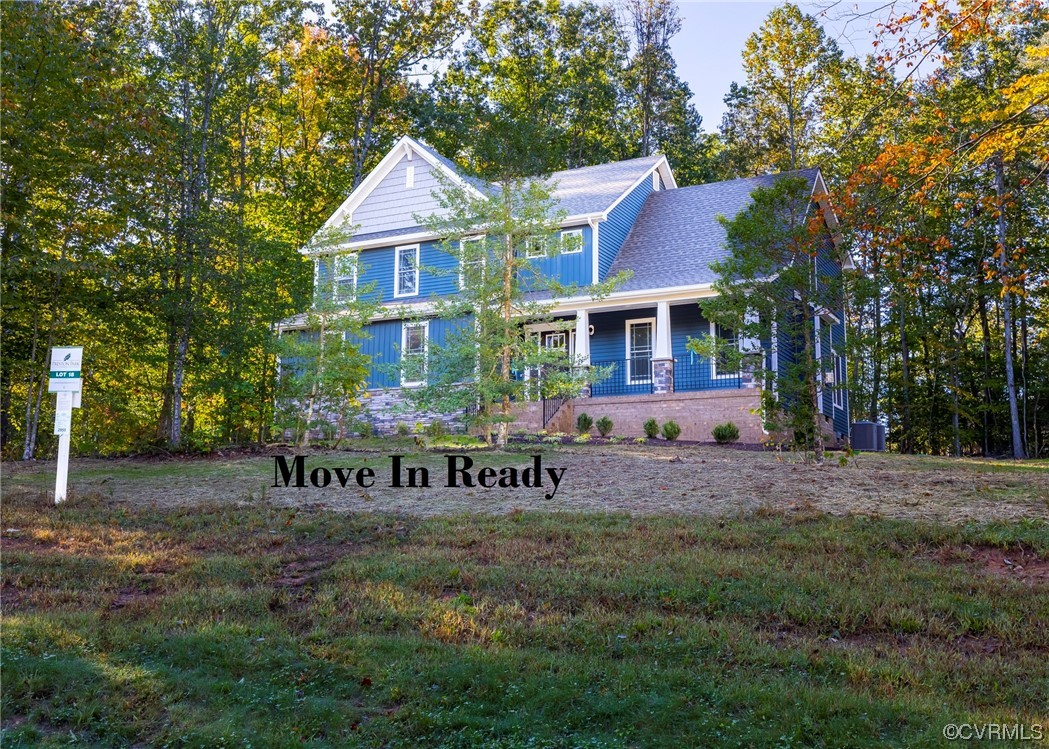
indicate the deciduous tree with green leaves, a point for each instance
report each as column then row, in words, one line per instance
column 489, row 362
column 769, row 289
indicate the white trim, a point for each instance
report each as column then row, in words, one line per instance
column 397, row 271
column 594, row 250
column 670, row 183
column 582, row 239
column 656, row 185
column 651, row 321
column 425, row 325
column 568, row 305
column 476, row 238
column 405, row 147
column 409, row 175
column 530, row 243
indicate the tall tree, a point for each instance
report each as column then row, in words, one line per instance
column 773, row 123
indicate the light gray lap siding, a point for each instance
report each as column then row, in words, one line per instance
column 391, row 205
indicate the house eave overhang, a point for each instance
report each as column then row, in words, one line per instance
column 819, row 195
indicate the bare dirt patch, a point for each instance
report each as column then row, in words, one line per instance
column 648, row 479
column 1012, row 563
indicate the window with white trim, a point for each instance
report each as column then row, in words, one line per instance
column 721, row 364
column 571, row 242
column 471, row 261
column 409, row 177
column 640, row 338
column 414, row 344
column 406, row 271
column 535, row 247
column 344, row 287
column 838, row 391
column 657, row 183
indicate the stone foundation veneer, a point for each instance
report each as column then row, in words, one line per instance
column 385, row 409
column 662, row 376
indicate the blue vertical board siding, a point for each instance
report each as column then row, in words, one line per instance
column 687, row 320
column 438, row 272
column 620, row 220
column 382, row 343
column 570, row 268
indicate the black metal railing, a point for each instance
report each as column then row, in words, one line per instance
column 626, row 377
column 696, row 373
column 550, row 408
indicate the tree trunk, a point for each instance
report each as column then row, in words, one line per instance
column 1007, row 304
column 905, row 361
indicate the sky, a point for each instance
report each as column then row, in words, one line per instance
column 709, row 47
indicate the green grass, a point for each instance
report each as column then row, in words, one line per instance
column 224, row 626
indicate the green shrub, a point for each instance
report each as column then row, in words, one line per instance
column 604, row 426
column 584, row 423
column 671, row 431
column 582, row 439
column 436, row 430
column 639, row 440
column 725, row 433
column 651, row 428
column 402, row 429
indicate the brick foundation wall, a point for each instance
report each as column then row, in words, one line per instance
column 696, row 413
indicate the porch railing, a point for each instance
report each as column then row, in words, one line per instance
column 627, row 377
column 698, row 374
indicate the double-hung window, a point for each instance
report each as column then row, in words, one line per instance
column 640, row 337
column 406, row 271
column 414, row 344
column 838, row 391
column 720, row 365
column 345, row 286
column 571, row 242
column 471, row 260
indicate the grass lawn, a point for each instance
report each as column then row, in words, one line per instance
column 218, row 623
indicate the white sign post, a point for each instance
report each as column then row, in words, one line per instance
column 67, row 383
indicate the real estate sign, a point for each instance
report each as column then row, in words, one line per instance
column 65, row 369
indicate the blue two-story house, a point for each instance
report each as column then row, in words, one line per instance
column 628, row 215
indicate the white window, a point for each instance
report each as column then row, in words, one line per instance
column 720, row 365
column 409, row 179
column 406, row 271
column 640, row 336
column 556, row 339
column 535, row 247
column 838, row 390
column 345, row 286
column 572, row 242
column 657, row 185
column 414, row 344
column 471, row 261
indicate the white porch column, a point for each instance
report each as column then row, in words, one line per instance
column 582, row 338
column 662, row 347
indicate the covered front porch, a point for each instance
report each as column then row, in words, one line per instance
column 642, row 349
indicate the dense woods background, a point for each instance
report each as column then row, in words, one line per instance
column 164, row 160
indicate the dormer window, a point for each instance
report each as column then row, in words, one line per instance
column 535, row 247
column 406, row 271
column 571, row 242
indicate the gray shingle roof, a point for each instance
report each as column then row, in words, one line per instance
column 588, row 189
column 592, row 189
column 677, row 234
